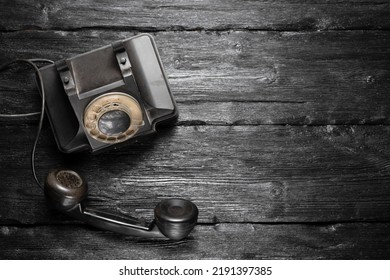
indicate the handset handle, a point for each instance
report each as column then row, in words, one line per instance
column 119, row 224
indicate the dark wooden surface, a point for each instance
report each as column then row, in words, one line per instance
column 282, row 139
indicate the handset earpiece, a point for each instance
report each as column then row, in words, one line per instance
column 65, row 189
column 174, row 218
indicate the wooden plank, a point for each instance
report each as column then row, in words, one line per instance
column 220, row 241
column 198, row 15
column 280, row 113
column 233, row 173
column 241, row 77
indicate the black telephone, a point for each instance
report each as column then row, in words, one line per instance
column 103, row 99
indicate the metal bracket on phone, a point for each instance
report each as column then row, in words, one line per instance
column 66, row 78
column 122, row 59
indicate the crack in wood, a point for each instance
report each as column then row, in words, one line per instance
column 152, row 29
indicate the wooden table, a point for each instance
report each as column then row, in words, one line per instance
column 282, row 139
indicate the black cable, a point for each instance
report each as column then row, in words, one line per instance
column 25, row 115
column 31, row 62
column 7, row 64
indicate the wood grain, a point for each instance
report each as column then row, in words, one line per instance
column 282, row 139
column 199, row 15
column 234, row 173
column 241, row 77
column 220, row 241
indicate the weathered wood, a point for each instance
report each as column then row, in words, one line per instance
column 234, row 173
column 199, row 15
column 280, row 190
column 220, row 241
column 241, row 77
